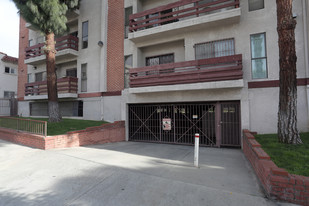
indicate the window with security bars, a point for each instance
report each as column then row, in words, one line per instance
column 213, row 49
column 161, row 59
column 71, row 72
column 40, row 76
column 8, row 94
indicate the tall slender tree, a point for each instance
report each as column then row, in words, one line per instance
column 287, row 113
column 48, row 16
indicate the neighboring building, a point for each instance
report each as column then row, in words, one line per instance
column 8, row 76
column 204, row 67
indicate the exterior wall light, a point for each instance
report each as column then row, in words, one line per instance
column 100, row 43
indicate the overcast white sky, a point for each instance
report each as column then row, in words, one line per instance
column 9, row 28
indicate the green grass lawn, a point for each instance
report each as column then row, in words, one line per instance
column 66, row 125
column 293, row 158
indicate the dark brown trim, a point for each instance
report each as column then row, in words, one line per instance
column 275, row 83
column 99, row 94
column 89, row 95
column 114, row 93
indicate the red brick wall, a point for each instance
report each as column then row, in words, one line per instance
column 277, row 182
column 115, row 47
column 22, row 67
column 113, row 132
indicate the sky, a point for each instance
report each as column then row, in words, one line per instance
column 9, row 28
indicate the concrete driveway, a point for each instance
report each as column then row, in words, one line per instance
column 126, row 173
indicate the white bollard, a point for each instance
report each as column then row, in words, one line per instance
column 197, row 142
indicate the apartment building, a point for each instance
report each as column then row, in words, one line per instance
column 8, row 76
column 170, row 68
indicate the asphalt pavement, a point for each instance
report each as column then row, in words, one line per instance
column 127, row 173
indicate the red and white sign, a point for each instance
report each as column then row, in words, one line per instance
column 167, row 124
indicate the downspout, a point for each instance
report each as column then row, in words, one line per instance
column 103, row 38
column 306, row 38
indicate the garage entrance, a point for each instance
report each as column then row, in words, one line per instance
column 217, row 123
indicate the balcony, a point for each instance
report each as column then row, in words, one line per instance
column 66, row 47
column 180, row 16
column 67, row 88
column 218, row 72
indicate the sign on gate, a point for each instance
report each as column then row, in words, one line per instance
column 167, row 124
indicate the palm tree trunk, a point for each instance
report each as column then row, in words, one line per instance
column 287, row 113
column 53, row 106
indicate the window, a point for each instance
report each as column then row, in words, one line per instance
column 8, row 94
column 258, row 56
column 166, row 16
column 40, row 76
column 40, row 39
column 31, row 43
column 71, row 72
column 162, row 59
column 85, row 35
column 256, row 5
column 9, row 70
column 84, row 78
column 213, row 49
column 128, row 12
column 29, row 78
column 128, row 64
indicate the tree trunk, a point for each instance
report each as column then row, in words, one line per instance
column 287, row 113
column 53, row 106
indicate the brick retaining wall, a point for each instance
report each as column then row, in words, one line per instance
column 112, row 132
column 277, row 182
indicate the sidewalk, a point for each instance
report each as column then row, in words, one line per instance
column 126, row 173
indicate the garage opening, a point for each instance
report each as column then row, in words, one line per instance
column 217, row 123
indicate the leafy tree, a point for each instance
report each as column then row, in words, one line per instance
column 287, row 113
column 48, row 16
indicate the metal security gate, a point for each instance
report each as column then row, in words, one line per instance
column 177, row 123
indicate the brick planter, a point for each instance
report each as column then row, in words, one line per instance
column 113, row 132
column 277, row 182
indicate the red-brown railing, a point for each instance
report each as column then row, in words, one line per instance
column 26, row 125
column 65, row 42
column 203, row 70
column 177, row 11
column 64, row 85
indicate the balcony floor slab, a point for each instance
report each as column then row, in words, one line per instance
column 44, row 97
column 189, row 87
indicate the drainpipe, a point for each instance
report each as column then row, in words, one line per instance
column 103, row 38
column 306, row 43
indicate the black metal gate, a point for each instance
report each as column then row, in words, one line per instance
column 177, row 123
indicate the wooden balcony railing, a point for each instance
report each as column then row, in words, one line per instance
column 65, row 42
column 64, row 85
column 177, row 11
column 204, row 70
